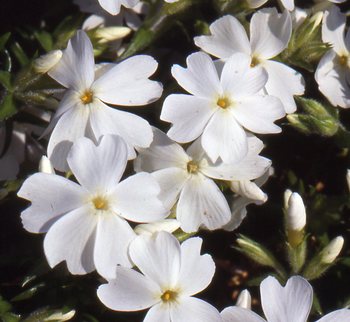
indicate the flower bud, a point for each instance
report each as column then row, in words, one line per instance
column 45, row 62
column 107, row 34
column 286, row 197
column 169, row 225
column 332, row 250
column 244, row 300
column 60, row 317
column 248, row 189
column 45, row 165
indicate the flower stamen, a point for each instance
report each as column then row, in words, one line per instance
column 87, row 97
column 168, row 296
column 192, row 167
column 223, row 102
column 343, row 60
column 100, row 203
column 255, row 61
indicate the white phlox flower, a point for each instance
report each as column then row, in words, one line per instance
column 288, row 4
column 170, row 275
column 82, row 110
column 333, row 71
column 187, row 179
column 86, row 222
column 291, row 303
column 221, row 107
column 269, row 36
column 114, row 6
column 248, row 192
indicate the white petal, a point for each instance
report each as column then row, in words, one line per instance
column 157, row 313
column 111, row 6
column 76, row 68
column 333, row 28
column 225, row 138
column 194, row 310
column 72, row 239
column 228, row 36
column 113, row 236
column 196, row 270
column 200, row 78
column 171, row 182
column 238, row 212
column 189, row 115
column 239, row 80
column 131, row 291
column 98, row 168
column 158, row 258
column 332, row 82
column 169, row 225
column 290, row 303
column 248, row 189
column 257, row 113
column 256, row 3
column 269, row 32
column 201, row 203
column 135, row 131
column 70, row 127
column 284, row 82
column 163, row 153
column 342, row 315
column 288, row 4
column 51, row 197
column 127, row 83
column 136, row 199
column 238, row 314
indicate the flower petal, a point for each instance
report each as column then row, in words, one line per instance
column 158, row 257
column 200, row 78
column 239, row 314
column 72, row 239
column 127, row 83
column 269, row 32
column 194, row 310
column 51, row 197
column 257, row 113
column 98, row 168
column 70, row 127
column 336, row 316
column 225, row 138
column 284, row 82
column 290, row 303
column 163, row 153
column 135, row 131
column 189, row 115
column 238, row 212
column 131, row 291
column 228, row 36
column 76, row 68
column 159, row 312
column 201, row 203
column 136, row 199
column 113, row 236
column 196, row 270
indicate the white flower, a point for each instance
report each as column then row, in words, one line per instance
column 291, row 303
column 269, row 36
column 333, row 71
column 82, row 110
column 86, row 223
column 220, row 106
column 114, row 6
column 187, row 178
column 248, row 192
column 288, row 4
column 170, row 275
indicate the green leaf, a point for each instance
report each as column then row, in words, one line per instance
column 5, row 80
column 27, row 294
column 10, row 317
column 4, row 306
column 45, row 39
column 20, row 54
column 7, row 107
column 3, row 40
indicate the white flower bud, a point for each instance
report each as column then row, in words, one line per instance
column 45, row 62
column 332, row 250
column 248, row 189
column 60, row 317
column 169, row 225
column 45, row 165
column 286, row 197
column 244, row 300
column 296, row 214
column 108, row 34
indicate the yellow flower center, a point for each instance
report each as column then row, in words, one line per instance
column 192, row 167
column 100, row 203
column 223, row 102
column 255, row 61
column 343, row 60
column 169, row 296
column 87, row 97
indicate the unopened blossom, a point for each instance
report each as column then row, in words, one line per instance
column 222, row 106
column 83, row 110
column 187, row 179
column 86, row 222
column 270, row 32
column 291, row 303
column 45, row 62
column 248, row 192
column 333, row 71
column 332, row 250
column 296, row 214
column 170, row 274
